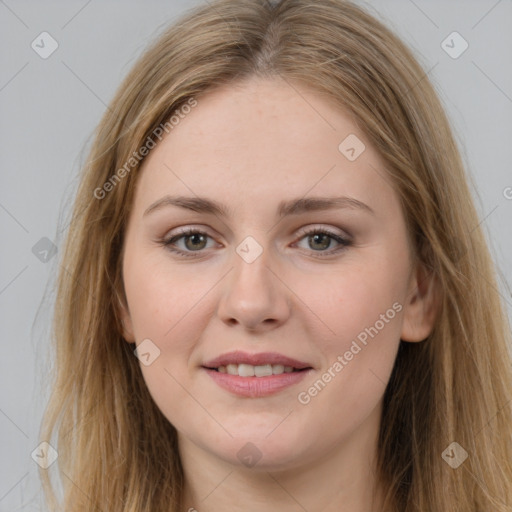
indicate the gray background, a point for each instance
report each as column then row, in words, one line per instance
column 49, row 108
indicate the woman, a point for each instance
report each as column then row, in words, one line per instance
column 277, row 293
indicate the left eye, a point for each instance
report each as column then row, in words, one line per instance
column 320, row 240
column 195, row 241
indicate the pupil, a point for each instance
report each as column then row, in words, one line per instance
column 325, row 237
column 195, row 237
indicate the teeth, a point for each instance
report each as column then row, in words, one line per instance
column 248, row 370
column 263, row 371
column 232, row 369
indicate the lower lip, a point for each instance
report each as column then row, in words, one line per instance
column 254, row 387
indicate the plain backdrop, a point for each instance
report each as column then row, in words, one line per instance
column 50, row 107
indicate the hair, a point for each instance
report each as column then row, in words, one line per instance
column 117, row 451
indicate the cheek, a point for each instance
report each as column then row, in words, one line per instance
column 170, row 309
column 167, row 309
column 163, row 299
column 353, row 300
column 360, row 334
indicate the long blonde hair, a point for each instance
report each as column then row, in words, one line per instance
column 116, row 449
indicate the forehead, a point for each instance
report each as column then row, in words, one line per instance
column 265, row 140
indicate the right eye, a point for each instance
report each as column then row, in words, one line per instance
column 194, row 241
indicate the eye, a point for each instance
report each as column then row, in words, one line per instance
column 194, row 241
column 320, row 239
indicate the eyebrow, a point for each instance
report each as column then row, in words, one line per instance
column 289, row 207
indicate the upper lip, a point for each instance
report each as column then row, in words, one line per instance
column 240, row 357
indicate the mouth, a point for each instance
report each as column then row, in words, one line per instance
column 263, row 364
column 249, row 370
column 255, row 375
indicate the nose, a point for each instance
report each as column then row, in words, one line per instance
column 254, row 295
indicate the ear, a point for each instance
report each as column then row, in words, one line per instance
column 126, row 321
column 421, row 305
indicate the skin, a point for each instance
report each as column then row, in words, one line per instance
column 249, row 146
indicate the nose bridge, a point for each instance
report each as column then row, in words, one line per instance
column 252, row 294
column 252, row 268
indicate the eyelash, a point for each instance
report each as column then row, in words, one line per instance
column 344, row 243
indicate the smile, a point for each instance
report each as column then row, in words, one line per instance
column 255, row 375
column 248, row 370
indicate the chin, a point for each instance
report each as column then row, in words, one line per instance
column 260, row 452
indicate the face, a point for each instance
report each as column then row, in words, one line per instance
column 302, row 274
